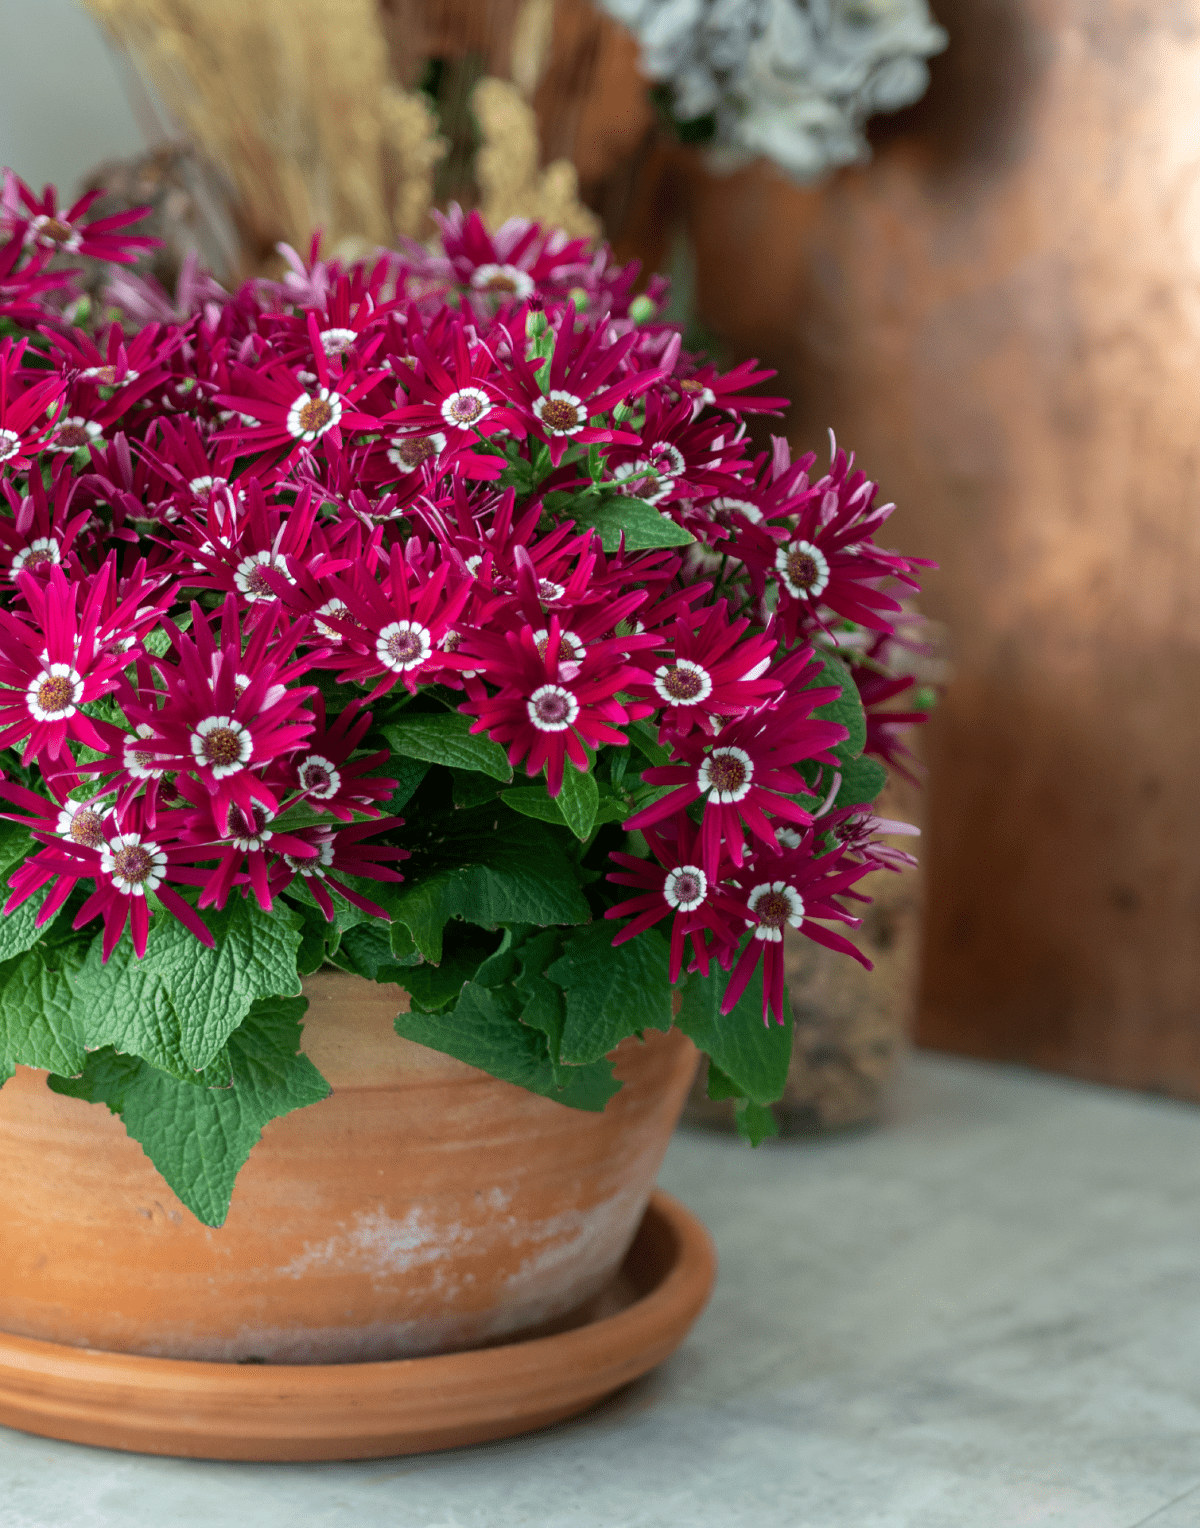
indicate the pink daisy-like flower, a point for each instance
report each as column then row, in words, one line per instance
column 395, row 628
column 452, row 390
column 674, row 884
column 342, row 850
column 709, row 674
column 743, row 772
column 587, row 376
column 223, row 715
column 41, row 533
column 41, row 224
column 26, row 397
column 803, row 887
column 296, row 411
column 55, row 665
column 541, row 716
column 329, row 774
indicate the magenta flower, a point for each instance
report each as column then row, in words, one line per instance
column 327, row 771
column 342, row 850
column 41, row 532
column 26, row 400
column 587, row 377
column 542, row 716
column 42, row 225
column 54, row 665
column 674, row 884
column 223, row 715
column 127, row 864
column 709, row 674
column 294, row 409
column 395, row 628
column 452, row 392
column 795, row 890
column 744, row 772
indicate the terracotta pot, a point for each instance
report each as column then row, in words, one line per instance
column 423, row 1207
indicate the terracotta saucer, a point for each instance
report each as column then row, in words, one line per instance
column 370, row 1410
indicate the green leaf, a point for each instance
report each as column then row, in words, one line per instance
column 127, row 1005
column 18, row 929
column 846, row 710
column 434, row 987
column 611, row 516
column 611, row 992
column 483, row 1031
column 862, row 780
column 445, row 738
column 579, row 800
column 754, row 1123
column 367, row 951
column 752, row 1055
column 408, row 774
column 199, row 1138
column 534, row 801
column 718, row 1085
column 470, row 788
column 179, row 1005
column 488, row 872
column 645, row 739
column 37, row 1024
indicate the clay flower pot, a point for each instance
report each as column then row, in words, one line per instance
column 423, row 1207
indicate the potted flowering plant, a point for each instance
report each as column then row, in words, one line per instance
column 426, row 623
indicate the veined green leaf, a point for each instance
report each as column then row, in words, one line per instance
column 846, row 710
column 752, row 1055
column 484, row 1031
column 446, row 738
column 611, row 992
column 199, row 1138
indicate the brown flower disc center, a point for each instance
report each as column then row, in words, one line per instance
column 38, row 558
column 553, row 708
column 500, row 283
column 315, row 777
column 72, row 435
column 315, row 415
column 405, row 647
column 559, row 415
column 56, row 693
column 416, row 450
column 466, row 409
column 105, row 375
column 802, row 569
column 222, row 747
column 87, row 828
column 687, row 888
column 682, row 684
column 132, row 864
column 726, row 773
column 56, row 230
column 258, row 583
column 772, row 909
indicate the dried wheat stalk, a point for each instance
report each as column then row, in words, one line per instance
column 294, row 102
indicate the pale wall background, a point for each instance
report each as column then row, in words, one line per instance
column 63, row 108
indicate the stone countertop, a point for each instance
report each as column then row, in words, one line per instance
column 985, row 1314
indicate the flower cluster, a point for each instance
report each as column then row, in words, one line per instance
column 482, row 489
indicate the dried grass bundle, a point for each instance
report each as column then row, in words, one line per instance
column 294, row 102
column 511, row 184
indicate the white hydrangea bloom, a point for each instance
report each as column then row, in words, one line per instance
column 793, row 80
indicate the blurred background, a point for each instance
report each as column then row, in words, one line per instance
column 988, row 289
